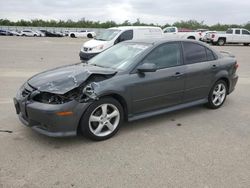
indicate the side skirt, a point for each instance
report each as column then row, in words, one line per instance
column 166, row 110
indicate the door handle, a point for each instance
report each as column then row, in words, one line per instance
column 214, row 66
column 178, row 74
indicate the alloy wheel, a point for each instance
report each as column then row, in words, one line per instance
column 104, row 120
column 219, row 94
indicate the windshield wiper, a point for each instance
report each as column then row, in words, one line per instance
column 98, row 65
column 100, row 39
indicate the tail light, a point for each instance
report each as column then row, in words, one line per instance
column 236, row 65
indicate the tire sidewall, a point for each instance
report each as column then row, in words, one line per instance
column 84, row 122
column 210, row 96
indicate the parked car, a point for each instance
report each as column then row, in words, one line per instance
column 5, row 33
column 232, row 36
column 129, row 81
column 50, row 34
column 205, row 36
column 83, row 33
column 14, row 33
column 175, row 33
column 115, row 35
column 29, row 33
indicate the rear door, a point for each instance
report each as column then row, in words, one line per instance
column 163, row 88
column 201, row 65
column 237, row 37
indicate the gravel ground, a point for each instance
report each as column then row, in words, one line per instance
column 194, row 147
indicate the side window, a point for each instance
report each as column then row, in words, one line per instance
column 237, row 32
column 229, row 31
column 164, row 56
column 126, row 35
column 210, row 55
column 194, row 53
column 245, row 32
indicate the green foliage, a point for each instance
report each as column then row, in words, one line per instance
column 82, row 23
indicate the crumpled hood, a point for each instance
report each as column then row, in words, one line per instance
column 63, row 79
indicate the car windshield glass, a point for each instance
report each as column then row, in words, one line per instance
column 119, row 57
column 107, row 34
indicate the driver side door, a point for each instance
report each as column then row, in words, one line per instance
column 163, row 88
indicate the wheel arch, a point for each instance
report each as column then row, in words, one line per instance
column 225, row 79
column 121, row 100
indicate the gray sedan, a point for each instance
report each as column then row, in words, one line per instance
column 130, row 81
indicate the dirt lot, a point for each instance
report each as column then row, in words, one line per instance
column 211, row 148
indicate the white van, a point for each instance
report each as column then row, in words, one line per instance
column 114, row 35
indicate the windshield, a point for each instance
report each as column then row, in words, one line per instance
column 107, row 34
column 118, row 57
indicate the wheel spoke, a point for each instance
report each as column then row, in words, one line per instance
column 110, row 126
column 219, row 87
column 215, row 99
column 104, row 110
column 95, row 118
column 220, row 99
column 113, row 114
column 98, row 129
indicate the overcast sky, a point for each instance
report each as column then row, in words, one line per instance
column 148, row 11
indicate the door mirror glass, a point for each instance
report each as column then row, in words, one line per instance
column 147, row 67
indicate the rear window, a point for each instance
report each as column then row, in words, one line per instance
column 210, row 55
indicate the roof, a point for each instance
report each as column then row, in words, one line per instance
column 134, row 27
column 162, row 40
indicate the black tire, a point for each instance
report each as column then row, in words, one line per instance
column 191, row 38
column 210, row 103
column 246, row 44
column 72, row 36
column 221, row 42
column 90, row 36
column 85, row 125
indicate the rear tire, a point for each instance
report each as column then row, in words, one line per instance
column 191, row 38
column 217, row 94
column 221, row 42
column 102, row 119
column 72, row 36
column 246, row 44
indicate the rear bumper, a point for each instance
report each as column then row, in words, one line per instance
column 233, row 83
column 86, row 56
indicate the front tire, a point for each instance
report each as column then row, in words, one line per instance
column 246, row 44
column 217, row 95
column 102, row 119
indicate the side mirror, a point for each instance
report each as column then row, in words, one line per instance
column 147, row 67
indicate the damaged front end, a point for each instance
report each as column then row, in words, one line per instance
column 80, row 94
column 75, row 82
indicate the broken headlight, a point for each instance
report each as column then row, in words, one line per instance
column 80, row 94
column 50, row 98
